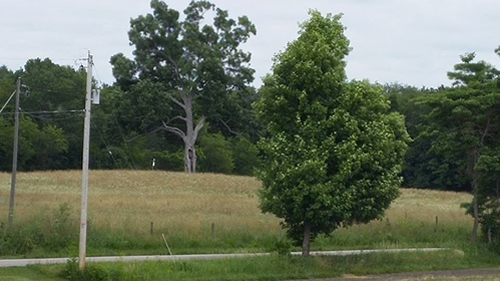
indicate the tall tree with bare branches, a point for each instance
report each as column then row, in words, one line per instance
column 195, row 62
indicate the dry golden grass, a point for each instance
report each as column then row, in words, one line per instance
column 187, row 203
column 425, row 205
column 133, row 199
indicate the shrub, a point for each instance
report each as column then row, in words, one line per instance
column 92, row 272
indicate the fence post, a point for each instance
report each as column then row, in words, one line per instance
column 437, row 222
column 151, row 228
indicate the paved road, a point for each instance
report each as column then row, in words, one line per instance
column 25, row 262
column 463, row 273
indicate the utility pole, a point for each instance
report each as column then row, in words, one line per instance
column 14, row 157
column 85, row 166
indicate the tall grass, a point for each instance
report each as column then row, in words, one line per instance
column 278, row 267
column 201, row 213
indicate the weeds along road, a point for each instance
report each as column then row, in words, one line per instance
column 466, row 274
column 26, row 262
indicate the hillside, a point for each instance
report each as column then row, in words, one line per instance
column 189, row 206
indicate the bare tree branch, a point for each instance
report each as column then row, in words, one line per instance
column 229, row 128
column 198, row 127
column 183, row 106
column 485, row 130
column 176, row 69
column 181, row 81
column 174, row 130
column 175, row 118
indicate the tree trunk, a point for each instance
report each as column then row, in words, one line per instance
column 475, row 229
column 306, row 244
column 190, row 136
column 189, row 152
column 498, row 194
column 189, row 158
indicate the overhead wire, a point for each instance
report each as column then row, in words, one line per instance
column 105, row 144
column 126, row 144
column 47, row 112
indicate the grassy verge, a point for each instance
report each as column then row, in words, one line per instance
column 27, row 273
column 281, row 267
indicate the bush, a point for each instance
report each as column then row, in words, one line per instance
column 92, row 272
column 282, row 247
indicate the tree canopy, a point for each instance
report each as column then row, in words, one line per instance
column 197, row 66
column 464, row 120
column 334, row 154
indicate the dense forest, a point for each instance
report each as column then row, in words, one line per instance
column 127, row 130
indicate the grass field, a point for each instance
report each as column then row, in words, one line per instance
column 207, row 213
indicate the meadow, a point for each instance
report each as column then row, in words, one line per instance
column 201, row 213
column 208, row 213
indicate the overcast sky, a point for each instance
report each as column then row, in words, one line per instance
column 412, row 42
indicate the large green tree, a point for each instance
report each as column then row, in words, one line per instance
column 46, row 140
column 196, row 64
column 423, row 166
column 464, row 121
column 335, row 153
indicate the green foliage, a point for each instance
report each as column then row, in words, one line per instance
column 46, row 141
column 464, row 125
column 50, row 233
column 288, row 268
column 335, row 152
column 423, row 167
column 194, row 69
column 216, row 154
column 282, row 247
column 489, row 195
column 245, row 155
column 92, row 272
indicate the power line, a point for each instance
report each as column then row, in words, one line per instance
column 47, row 112
column 145, row 134
column 97, row 74
column 126, row 143
column 52, row 59
column 105, row 144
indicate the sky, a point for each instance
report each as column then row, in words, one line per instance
column 414, row 42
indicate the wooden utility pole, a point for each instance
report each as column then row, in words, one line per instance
column 85, row 167
column 14, row 157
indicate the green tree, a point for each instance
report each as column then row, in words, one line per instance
column 464, row 120
column 423, row 167
column 335, row 153
column 217, row 154
column 193, row 63
column 488, row 197
column 55, row 88
column 246, row 156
